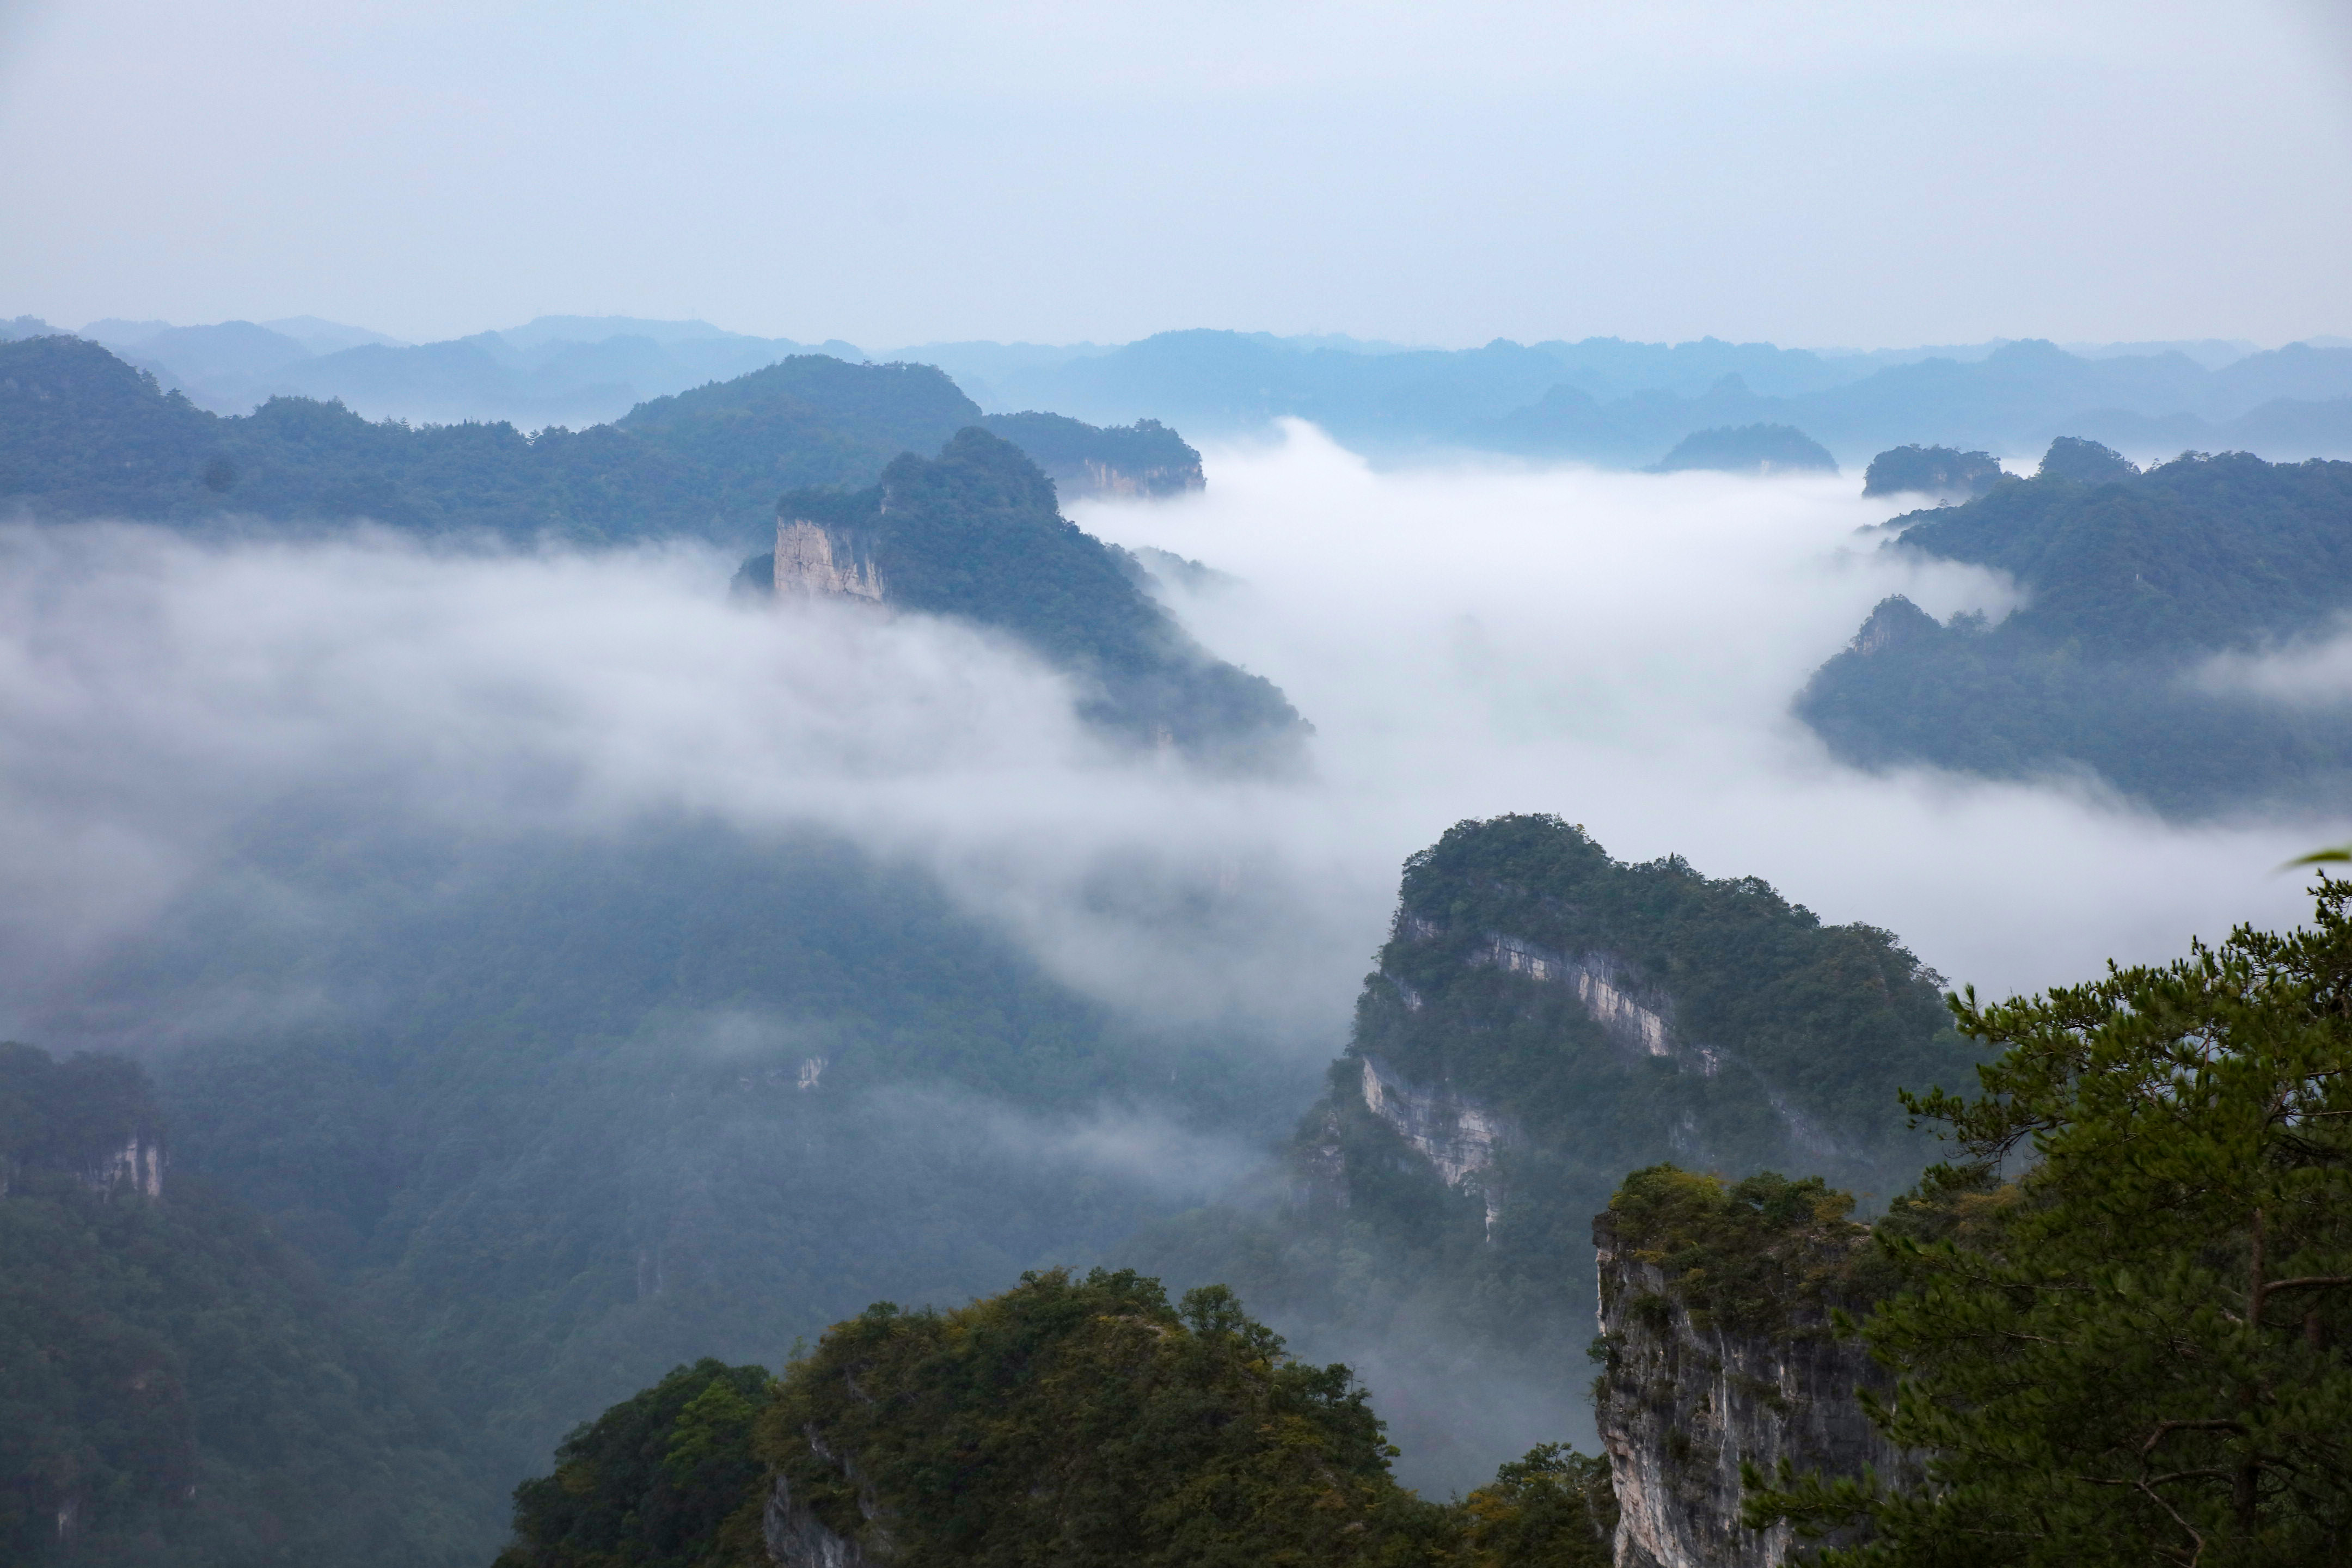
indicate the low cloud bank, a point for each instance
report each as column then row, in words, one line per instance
column 1617, row 648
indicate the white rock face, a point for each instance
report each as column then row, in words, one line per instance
column 1456, row 1134
column 1685, row 1402
column 138, row 1165
column 1599, row 982
column 807, row 562
column 797, row 1539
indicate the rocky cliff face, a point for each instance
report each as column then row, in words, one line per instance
column 1458, row 1136
column 812, row 560
column 1692, row 1392
column 796, row 1538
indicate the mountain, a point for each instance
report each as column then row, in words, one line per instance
column 1145, row 458
column 1932, row 471
column 176, row 1383
column 1084, row 1420
column 1748, row 449
column 1543, row 1019
column 976, row 534
column 569, row 369
column 1604, row 400
column 2135, row 582
column 570, row 1109
column 85, row 435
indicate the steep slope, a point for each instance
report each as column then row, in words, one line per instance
column 1145, row 458
column 175, row 1384
column 84, row 435
column 976, row 532
column 1073, row 1420
column 1719, row 1353
column 1543, row 1019
column 2134, row 581
column 573, row 1110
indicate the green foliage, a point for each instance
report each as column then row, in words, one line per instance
column 579, row 1150
column 1153, row 458
column 1742, row 1255
column 1750, row 449
column 976, row 532
column 2084, row 462
column 665, row 1479
column 1086, row 1421
column 1812, row 1031
column 1553, row 1509
column 1931, row 470
column 2133, row 580
column 2135, row 1351
column 1834, row 1018
column 177, row 1385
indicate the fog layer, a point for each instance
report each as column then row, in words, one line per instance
column 1617, row 648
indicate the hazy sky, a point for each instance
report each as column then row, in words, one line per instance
column 1861, row 173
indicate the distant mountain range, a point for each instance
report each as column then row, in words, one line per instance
column 1601, row 400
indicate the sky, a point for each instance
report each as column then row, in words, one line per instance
column 895, row 172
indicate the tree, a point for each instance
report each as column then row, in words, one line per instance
column 2134, row 1351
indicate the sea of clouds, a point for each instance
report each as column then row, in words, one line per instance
column 1619, row 649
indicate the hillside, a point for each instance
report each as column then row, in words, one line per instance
column 1748, row 449
column 85, row 435
column 580, row 1107
column 176, row 1385
column 1543, row 1019
column 1082, row 1421
column 976, row 532
column 2133, row 580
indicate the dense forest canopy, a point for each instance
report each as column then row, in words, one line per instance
column 976, row 532
column 2132, row 581
column 1931, row 470
column 2120, row 1315
column 84, row 435
column 1787, row 1041
column 1082, row 1420
column 177, row 1385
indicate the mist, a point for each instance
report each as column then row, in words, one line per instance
column 1619, row 649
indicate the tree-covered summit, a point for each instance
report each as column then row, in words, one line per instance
column 2132, row 581
column 1072, row 1419
column 977, row 532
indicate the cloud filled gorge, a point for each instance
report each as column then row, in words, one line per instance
column 747, row 966
column 1618, row 648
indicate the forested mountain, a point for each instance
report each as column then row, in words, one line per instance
column 1144, row 459
column 2134, row 581
column 82, row 433
column 177, row 1385
column 571, row 1109
column 975, row 533
column 1544, row 1019
column 1079, row 1421
column 1931, row 470
column 1748, row 449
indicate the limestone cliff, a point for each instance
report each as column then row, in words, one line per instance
column 814, row 562
column 977, row 533
column 796, row 1538
column 1716, row 1322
